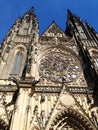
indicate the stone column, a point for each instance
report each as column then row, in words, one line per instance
column 20, row 114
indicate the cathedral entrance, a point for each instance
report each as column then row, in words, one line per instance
column 70, row 120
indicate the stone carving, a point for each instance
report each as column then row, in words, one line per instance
column 56, row 66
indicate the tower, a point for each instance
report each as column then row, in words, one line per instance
column 49, row 81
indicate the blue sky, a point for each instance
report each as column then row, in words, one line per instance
column 47, row 11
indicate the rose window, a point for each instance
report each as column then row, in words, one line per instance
column 56, row 66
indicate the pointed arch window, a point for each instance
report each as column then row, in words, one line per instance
column 81, row 31
column 26, row 27
column 17, row 64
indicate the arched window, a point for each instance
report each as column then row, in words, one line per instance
column 17, row 63
column 25, row 28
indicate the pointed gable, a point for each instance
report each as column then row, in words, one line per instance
column 54, row 30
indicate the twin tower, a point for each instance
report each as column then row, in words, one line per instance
column 49, row 81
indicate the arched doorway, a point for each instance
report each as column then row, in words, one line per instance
column 3, row 125
column 70, row 120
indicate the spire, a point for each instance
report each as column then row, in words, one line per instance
column 69, row 14
column 70, row 22
column 31, row 11
column 73, row 16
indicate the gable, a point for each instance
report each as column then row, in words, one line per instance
column 54, row 30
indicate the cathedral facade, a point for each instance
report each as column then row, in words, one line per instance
column 49, row 81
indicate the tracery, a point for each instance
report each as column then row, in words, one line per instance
column 57, row 65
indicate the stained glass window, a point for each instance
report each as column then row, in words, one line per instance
column 17, row 64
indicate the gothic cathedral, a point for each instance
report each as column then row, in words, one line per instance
column 49, row 81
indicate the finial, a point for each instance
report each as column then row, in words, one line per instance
column 53, row 21
column 69, row 12
column 31, row 11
